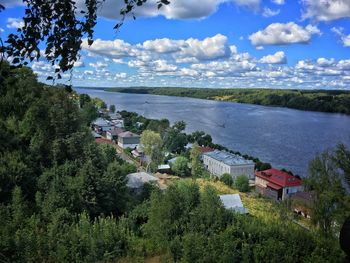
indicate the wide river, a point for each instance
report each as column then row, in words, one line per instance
column 286, row 138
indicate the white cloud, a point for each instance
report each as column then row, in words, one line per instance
column 189, row 72
column 344, row 64
column 14, row 23
column 178, row 9
column 110, row 48
column 326, row 10
column 277, row 58
column 251, row 4
column 11, row 3
column 343, row 37
column 164, row 45
column 88, row 72
column 267, row 12
column 283, row 34
column 79, row 64
column 209, row 48
column 1, row 30
column 163, row 66
column 323, row 62
column 121, row 75
column 278, row 2
column 183, row 51
column 98, row 65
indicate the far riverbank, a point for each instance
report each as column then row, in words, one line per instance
column 331, row 101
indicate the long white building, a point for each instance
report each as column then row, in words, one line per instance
column 220, row 162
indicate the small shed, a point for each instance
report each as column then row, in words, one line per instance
column 164, row 168
column 233, row 202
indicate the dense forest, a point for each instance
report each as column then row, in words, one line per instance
column 312, row 100
column 63, row 198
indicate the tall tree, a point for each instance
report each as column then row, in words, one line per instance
column 180, row 166
column 326, row 183
column 152, row 143
column 196, row 165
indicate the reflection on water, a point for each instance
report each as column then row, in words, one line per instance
column 284, row 137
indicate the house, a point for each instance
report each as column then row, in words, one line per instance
column 118, row 123
column 220, row 162
column 233, row 202
column 102, row 125
column 114, row 116
column 205, row 149
column 301, row 203
column 138, row 152
column 113, row 134
column 128, row 140
column 137, row 180
column 164, row 168
column 277, row 184
column 139, row 124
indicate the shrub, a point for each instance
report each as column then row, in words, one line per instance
column 227, row 179
column 242, row 183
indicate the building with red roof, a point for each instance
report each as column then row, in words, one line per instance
column 277, row 184
column 103, row 141
column 205, row 149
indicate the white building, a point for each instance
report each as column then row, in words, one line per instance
column 220, row 162
column 128, row 140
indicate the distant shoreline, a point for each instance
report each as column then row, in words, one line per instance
column 330, row 101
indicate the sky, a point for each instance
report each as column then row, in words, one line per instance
column 283, row 44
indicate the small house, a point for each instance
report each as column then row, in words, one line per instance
column 138, row 152
column 113, row 133
column 277, row 184
column 233, row 202
column 164, row 168
column 118, row 123
column 128, row 140
column 114, row 116
column 102, row 125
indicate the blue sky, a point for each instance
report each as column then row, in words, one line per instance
column 217, row 43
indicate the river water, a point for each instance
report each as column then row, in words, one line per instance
column 286, row 138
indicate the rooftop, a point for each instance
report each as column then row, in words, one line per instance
column 205, row 149
column 137, row 180
column 278, row 178
column 103, row 141
column 116, row 131
column 163, row 167
column 128, row 134
column 101, row 122
column 233, row 202
column 228, row 158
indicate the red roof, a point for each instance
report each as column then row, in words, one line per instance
column 204, row 149
column 278, row 177
column 103, row 141
column 274, row 186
